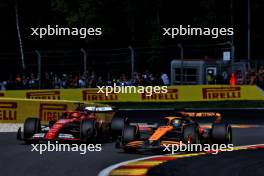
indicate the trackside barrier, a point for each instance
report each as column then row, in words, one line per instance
column 17, row 110
column 174, row 94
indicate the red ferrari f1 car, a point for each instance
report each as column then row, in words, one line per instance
column 79, row 125
column 176, row 129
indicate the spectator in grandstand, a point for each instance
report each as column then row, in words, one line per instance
column 260, row 75
column 47, row 81
column 81, row 82
column 252, row 77
column 145, row 75
column 72, row 81
column 25, row 81
column 240, row 78
column 64, row 81
column 32, row 82
column 225, row 77
column 155, row 80
column 233, row 79
column 165, row 79
column 100, row 81
column 247, row 78
column 261, row 70
column 138, row 79
column 3, row 85
column 18, row 84
column 56, row 82
column 210, row 77
column 146, row 78
column 92, row 80
column 123, row 81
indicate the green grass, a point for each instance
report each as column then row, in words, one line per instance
column 181, row 105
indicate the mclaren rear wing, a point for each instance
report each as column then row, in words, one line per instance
column 201, row 114
column 216, row 115
column 145, row 125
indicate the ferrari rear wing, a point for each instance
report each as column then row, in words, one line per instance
column 99, row 109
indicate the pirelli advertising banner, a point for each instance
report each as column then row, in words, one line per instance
column 171, row 94
column 17, row 110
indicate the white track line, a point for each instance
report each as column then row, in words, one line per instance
column 192, row 109
column 10, row 127
column 149, row 109
column 222, row 109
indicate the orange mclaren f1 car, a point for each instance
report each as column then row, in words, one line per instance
column 181, row 128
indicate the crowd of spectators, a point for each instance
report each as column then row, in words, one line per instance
column 62, row 81
column 251, row 77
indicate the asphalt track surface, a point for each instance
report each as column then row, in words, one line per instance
column 236, row 163
column 17, row 159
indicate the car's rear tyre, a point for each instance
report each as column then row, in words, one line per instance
column 129, row 134
column 31, row 126
column 117, row 125
column 87, row 130
column 221, row 133
column 191, row 135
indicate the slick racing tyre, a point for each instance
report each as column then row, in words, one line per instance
column 117, row 125
column 87, row 130
column 190, row 134
column 129, row 134
column 31, row 126
column 221, row 133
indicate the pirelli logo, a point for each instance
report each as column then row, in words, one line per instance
column 2, row 94
column 8, row 111
column 172, row 94
column 50, row 95
column 49, row 112
column 92, row 95
column 222, row 93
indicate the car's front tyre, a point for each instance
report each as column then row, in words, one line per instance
column 221, row 133
column 129, row 134
column 31, row 126
column 191, row 135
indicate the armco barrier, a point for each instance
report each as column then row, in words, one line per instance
column 17, row 110
column 175, row 94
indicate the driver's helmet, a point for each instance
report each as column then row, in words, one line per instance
column 176, row 122
column 75, row 115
